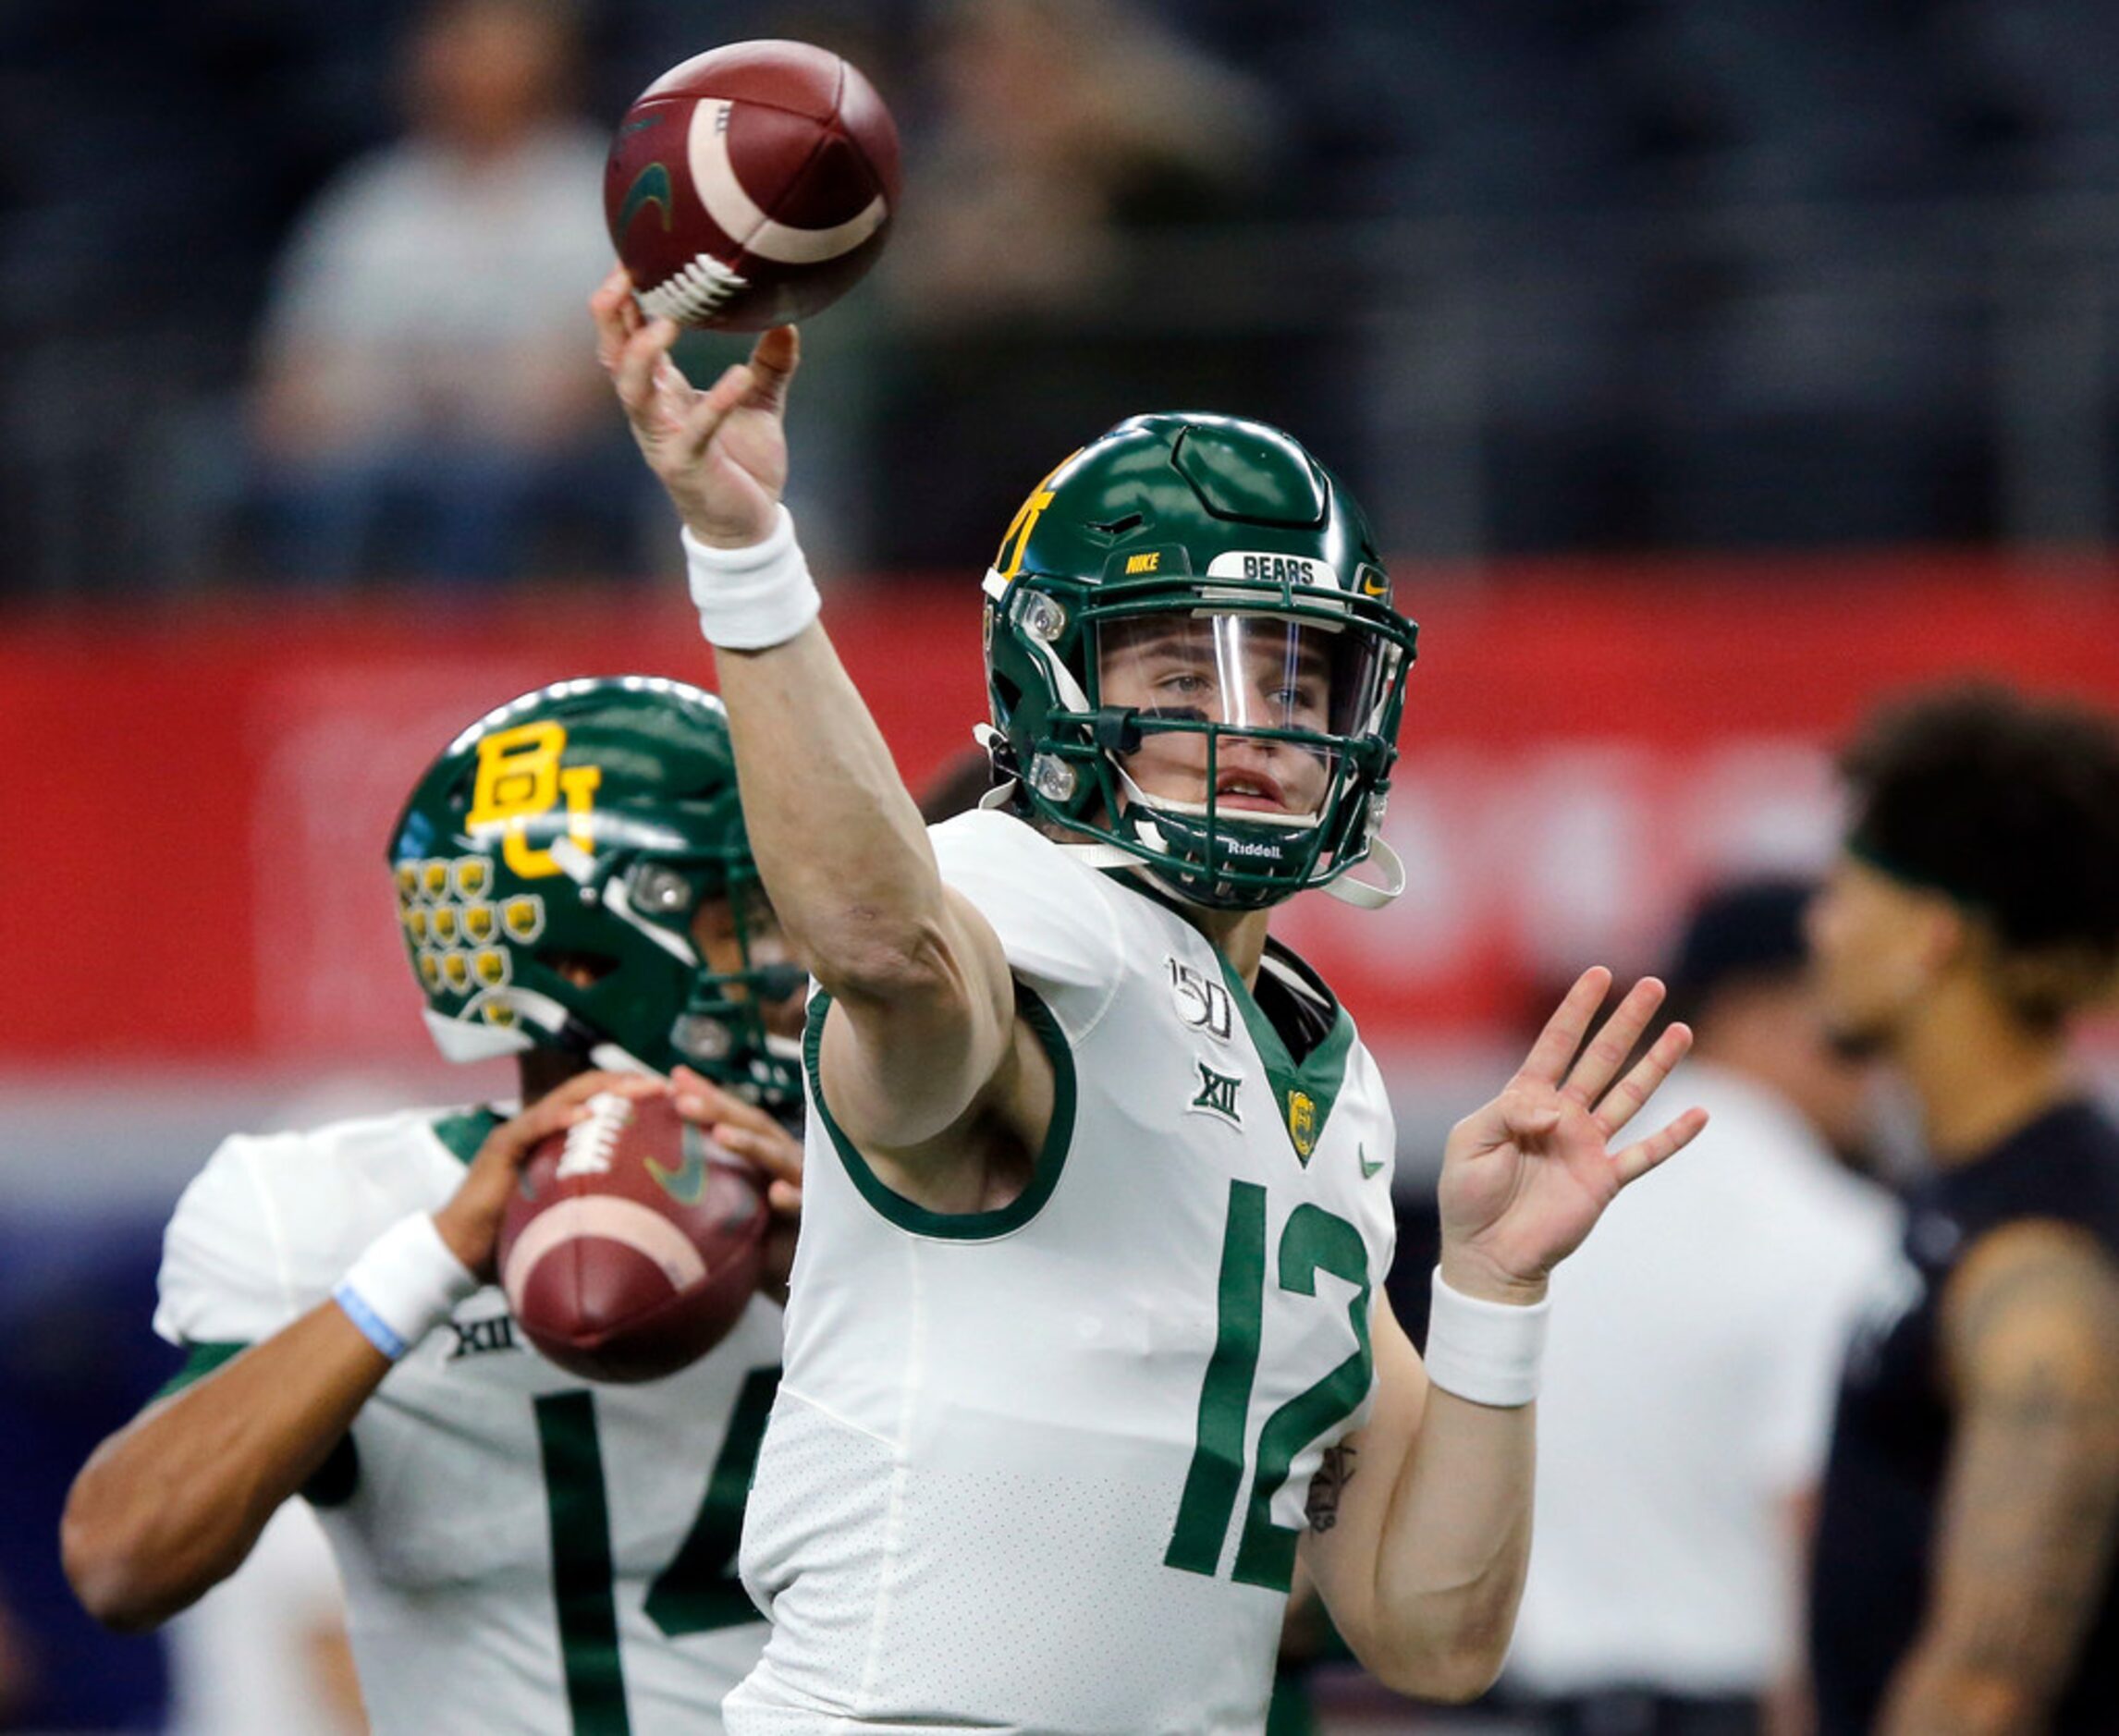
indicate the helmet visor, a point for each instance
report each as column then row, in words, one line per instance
column 1249, row 712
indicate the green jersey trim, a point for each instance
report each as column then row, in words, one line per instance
column 199, row 1360
column 919, row 1220
column 1304, row 1091
column 462, row 1135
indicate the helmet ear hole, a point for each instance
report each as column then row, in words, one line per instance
column 584, row 970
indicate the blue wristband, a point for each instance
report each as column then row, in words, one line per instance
column 370, row 1324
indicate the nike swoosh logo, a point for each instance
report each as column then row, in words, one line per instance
column 1368, row 1170
column 687, row 1182
column 650, row 186
column 643, row 124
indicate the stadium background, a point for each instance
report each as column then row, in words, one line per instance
column 1713, row 368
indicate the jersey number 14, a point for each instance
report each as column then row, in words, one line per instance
column 696, row 1593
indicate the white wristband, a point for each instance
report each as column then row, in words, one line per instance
column 750, row 598
column 1487, row 1351
column 404, row 1286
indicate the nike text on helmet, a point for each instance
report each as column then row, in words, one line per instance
column 574, row 834
column 1195, row 601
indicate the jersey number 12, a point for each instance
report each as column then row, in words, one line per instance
column 1314, row 1240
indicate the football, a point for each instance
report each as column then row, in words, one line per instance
column 633, row 1244
column 752, row 185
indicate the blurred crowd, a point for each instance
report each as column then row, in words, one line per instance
column 1553, row 275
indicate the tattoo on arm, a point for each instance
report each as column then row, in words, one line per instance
column 1328, row 1486
column 2031, row 1498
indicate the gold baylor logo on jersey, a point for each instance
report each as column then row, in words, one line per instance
column 1302, row 1123
column 519, row 779
column 1217, row 1095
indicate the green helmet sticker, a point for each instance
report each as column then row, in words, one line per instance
column 1192, row 657
column 550, row 866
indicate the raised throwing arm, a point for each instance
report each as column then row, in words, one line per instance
column 928, row 1003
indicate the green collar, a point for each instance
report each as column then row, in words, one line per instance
column 1305, row 1090
column 462, row 1134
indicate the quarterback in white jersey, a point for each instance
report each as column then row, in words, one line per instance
column 522, row 1552
column 1087, row 1344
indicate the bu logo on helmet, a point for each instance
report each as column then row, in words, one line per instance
column 519, row 778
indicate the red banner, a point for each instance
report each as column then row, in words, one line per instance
column 200, row 802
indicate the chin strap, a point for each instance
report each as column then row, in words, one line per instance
column 1368, row 895
column 1364, row 895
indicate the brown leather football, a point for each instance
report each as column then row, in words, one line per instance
column 633, row 1244
column 752, row 185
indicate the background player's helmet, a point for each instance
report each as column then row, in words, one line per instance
column 1221, row 542
column 582, row 826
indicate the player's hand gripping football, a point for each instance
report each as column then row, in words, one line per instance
column 1525, row 1178
column 749, row 1133
column 722, row 453
column 470, row 1223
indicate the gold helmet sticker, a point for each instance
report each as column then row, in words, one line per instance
column 473, row 877
column 523, row 916
column 478, row 924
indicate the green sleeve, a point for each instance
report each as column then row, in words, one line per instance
column 199, row 1360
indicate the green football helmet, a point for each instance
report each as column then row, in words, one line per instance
column 574, row 834
column 1192, row 660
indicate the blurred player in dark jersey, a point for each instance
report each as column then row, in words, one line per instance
column 1964, row 1577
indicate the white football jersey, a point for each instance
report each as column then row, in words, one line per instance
column 522, row 1552
column 1044, row 1468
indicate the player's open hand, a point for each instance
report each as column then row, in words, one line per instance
column 470, row 1223
column 1525, row 1178
column 752, row 1134
column 722, row 453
